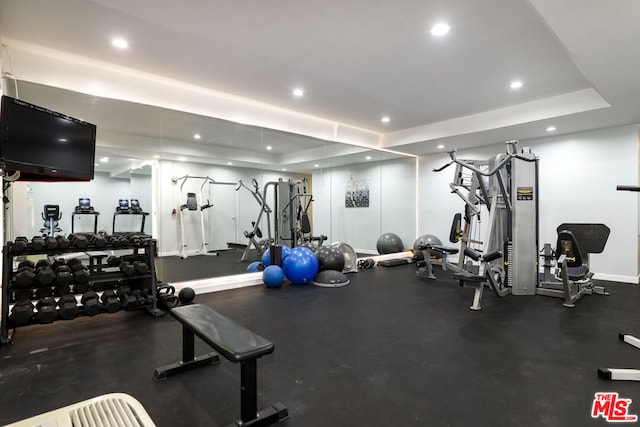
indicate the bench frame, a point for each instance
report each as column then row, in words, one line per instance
column 249, row 415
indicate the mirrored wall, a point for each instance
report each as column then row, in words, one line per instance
column 168, row 160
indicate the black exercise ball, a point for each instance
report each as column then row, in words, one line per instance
column 425, row 239
column 330, row 258
column 186, row 295
column 389, row 243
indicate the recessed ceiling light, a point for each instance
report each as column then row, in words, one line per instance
column 104, row 159
column 182, row 159
column 120, row 43
column 516, row 84
column 440, row 146
column 268, row 147
column 298, row 92
column 385, row 119
column 229, row 163
column 156, row 156
column 284, row 169
column 62, row 139
column 96, row 164
column 551, row 128
column 440, row 29
column 316, row 165
column 368, row 157
column 196, row 136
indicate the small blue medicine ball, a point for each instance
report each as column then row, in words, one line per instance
column 272, row 276
column 254, row 267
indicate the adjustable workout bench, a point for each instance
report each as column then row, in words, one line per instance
column 234, row 342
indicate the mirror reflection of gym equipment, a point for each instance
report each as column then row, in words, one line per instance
column 289, row 220
column 51, row 215
column 129, row 209
column 194, row 205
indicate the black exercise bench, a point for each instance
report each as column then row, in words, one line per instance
column 234, row 342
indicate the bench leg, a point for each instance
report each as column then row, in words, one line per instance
column 249, row 415
column 189, row 360
column 248, row 390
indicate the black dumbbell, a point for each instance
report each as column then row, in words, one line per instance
column 37, row 243
column 23, row 295
column 110, row 301
column 140, row 267
column 47, row 312
column 114, row 261
column 144, row 296
column 44, row 273
column 50, row 243
column 61, row 290
column 79, row 240
column 80, row 271
column 127, row 268
column 80, row 288
column 25, row 275
column 44, row 292
column 63, row 242
column 68, row 307
column 128, row 300
column 21, row 313
column 97, row 240
column 64, row 275
column 19, row 244
column 90, row 303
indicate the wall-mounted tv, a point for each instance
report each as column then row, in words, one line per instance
column 45, row 145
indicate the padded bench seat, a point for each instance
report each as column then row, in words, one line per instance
column 237, row 344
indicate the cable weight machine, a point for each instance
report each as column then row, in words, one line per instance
column 507, row 186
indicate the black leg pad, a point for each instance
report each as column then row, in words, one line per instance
column 266, row 417
column 604, row 374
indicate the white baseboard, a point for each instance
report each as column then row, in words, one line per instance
column 616, row 278
column 216, row 284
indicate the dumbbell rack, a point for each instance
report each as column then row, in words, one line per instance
column 104, row 274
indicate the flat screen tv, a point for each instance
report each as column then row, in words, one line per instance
column 45, row 145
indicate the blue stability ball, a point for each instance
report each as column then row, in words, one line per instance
column 254, row 267
column 389, row 243
column 272, row 276
column 300, row 266
column 266, row 256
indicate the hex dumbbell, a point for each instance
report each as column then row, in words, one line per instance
column 128, row 300
column 21, row 313
column 47, row 312
column 79, row 240
column 19, row 244
column 25, row 275
column 44, row 273
column 110, row 301
column 63, row 242
column 37, row 243
column 91, row 303
column 68, row 307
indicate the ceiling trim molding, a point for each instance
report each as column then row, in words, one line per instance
column 561, row 105
column 55, row 68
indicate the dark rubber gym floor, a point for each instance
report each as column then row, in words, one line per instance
column 387, row 350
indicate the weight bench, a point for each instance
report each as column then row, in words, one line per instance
column 236, row 343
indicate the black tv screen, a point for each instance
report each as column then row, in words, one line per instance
column 45, row 145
